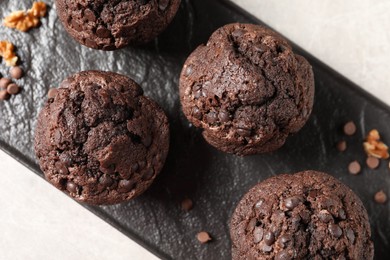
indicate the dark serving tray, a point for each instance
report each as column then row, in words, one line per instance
column 213, row 180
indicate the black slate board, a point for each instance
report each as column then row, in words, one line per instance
column 213, row 180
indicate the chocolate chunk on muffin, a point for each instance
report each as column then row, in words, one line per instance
column 113, row 24
column 246, row 89
column 307, row 215
column 100, row 140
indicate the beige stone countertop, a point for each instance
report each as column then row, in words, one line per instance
column 39, row 222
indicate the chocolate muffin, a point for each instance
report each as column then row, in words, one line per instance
column 246, row 89
column 113, row 24
column 100, row 140
column 307, row 215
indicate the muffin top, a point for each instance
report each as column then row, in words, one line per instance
column 113, row 24
column 307, row 215
column 246, row 89
column 99, row 139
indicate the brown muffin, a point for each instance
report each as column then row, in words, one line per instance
column 113, row 24
column 246, row 89
column 100, row 140
column 307, row 215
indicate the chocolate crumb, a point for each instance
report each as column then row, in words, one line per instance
column 52, row 93
column 354, row 167
column 372, row 162
column 341, row 146
column 349, row 128
column 380, row 197
column 203, row 237
column 187, row 204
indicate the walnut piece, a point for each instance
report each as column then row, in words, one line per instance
column 24, row 21
column 374, row 146
column 7, row 51
column 38, row 9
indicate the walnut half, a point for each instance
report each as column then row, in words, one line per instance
column 24, row 21
column 374, row 147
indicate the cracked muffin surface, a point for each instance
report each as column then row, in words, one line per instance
column 100, row 140
column 307, row 215
column 246, row 89
column 113, row 24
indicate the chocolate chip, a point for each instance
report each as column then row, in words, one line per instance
column 196, row 113
column 211, row 117
column 126, row 185
column 105, row 180
column 295, row 222
column 90, row 15
column 342, row 214
column 16, row 72
column 187, row 204
column 380, row 197
column 223, row 116
column 269, row 238
column 157, row 159
column 291, row 202
column 283, row 240
column 107, row 169
column 259, row 204
column 350, row 235
column 71, row 187
column 4, row 95
column 13, row 89
column 305, row 215
column 66, row 159
column 258, row 47
column 251, row 225
column 354, row 167
column 349, row 128
column 266, row 248
column 372, row 162
column 258, row 234
column 341, row 146
column 141, row 164
column 103, row 32
column 325, row 216
column 305, row 111
column 238, row 32
column 57, row 136
column 335, row 230
column 147, row 141
column 243, row 132
column 148, row 174
column 198, row 94
column 163, row 4
column 52, row 93
column 283, row 255
column 203, row 237
column 188, row 71
column 134, row 167
column 76, row 25
column 61, row 168
column 4, row 82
